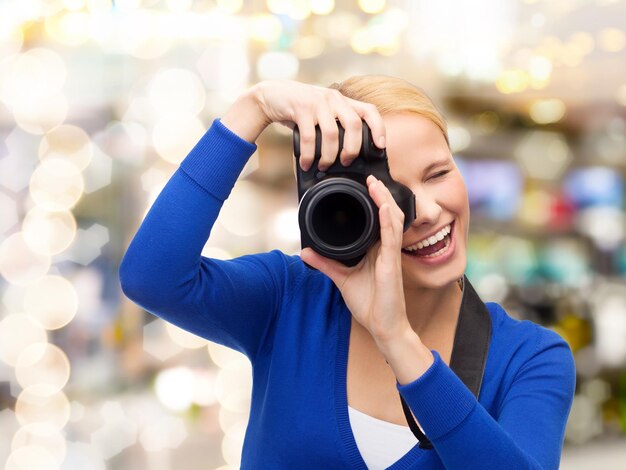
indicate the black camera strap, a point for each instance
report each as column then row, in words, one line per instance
column 469, row 351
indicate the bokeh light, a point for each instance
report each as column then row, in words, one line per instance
column 52, row 301
column 230, row 6
column 322, row 7
column 547, row 111
column 41, row 436
column 232, row 443
column 264, row 28
column 40, row 115
column 42, row 364
column 31, row 456
column 277, row 66
column 177, row 91
column 164, row 432
column 117, row 433
column 67, row 142
column 48, row 233
column 611, row 39
column 174, row 388
column 233, row 388
column 42, row 404
column 157, row 342
column 226, row 358
column 11, row 41
column 32, row 76
column 512, row 81
column 17, row 332
column 56, row 185
column 543, row 155
column 70, row 28
column 100, row 101
column 8, row 209
column 19, row 264
column 372, row 6
column 174, row 135
column 184, row 338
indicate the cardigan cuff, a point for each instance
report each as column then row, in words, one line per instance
column 438, row 398
column 217, row 160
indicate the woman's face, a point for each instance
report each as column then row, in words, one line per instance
column 434, row 246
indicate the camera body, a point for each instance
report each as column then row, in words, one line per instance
column 337, row 217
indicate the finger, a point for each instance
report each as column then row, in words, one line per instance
column 336, row 271
column 391, row 244
column 353, row 126
column 381, row 195
column 330, row 137
column 370, row 114
column 306, row 126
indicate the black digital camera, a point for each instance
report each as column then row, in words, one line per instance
column 337, row 217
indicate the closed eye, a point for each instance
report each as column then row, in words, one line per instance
column 439, row 174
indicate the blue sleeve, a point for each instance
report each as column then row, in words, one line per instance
column 529, row 430
column 233, row 302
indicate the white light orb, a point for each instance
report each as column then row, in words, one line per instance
column 177, row 91
column 42, row 404
column 40, row 115
column 184, row 338
column 56, row 185
column 19, row 264
column 42, row 436
column 67, row 142
column 42, row 364
column 52, row 301
column 48, row 233
column 174, row 135
column 17, row 332
column 31, row 457
column 174, row 388
column 277, row 65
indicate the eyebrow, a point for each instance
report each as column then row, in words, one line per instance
column 436, row 164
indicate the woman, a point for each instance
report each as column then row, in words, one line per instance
column 332, row 348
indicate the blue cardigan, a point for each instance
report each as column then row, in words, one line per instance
column 292, row 323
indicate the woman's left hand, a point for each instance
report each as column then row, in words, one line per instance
column 373, row 289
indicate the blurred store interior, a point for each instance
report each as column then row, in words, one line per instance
column 101, row 99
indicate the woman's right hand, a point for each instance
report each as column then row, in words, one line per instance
column 293, row 103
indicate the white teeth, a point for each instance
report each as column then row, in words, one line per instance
column 440, row 235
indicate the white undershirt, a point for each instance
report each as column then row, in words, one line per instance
column 380, row 443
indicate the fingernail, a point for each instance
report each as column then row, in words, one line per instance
column 381, row 142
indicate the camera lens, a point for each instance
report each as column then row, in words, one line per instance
column 338, row 219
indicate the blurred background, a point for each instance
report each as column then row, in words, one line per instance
column 101, row 99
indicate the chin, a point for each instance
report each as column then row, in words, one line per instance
column 438, row 278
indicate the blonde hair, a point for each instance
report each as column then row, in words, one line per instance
column 392, row 95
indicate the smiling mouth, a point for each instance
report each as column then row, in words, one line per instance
column 431, row 251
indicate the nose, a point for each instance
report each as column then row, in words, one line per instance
column 427, row 209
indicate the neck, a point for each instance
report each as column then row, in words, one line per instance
column 431, row 310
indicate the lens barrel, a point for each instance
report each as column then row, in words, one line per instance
column 339, row 219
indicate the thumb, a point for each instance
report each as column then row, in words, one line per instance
column 333, row 269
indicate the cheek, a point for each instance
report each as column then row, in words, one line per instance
column 454, row 196
column 460, row 191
